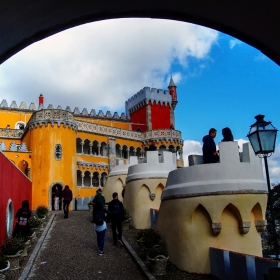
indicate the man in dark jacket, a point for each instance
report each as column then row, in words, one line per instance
column 210, row 154
column 116, row 210
column 67, row 198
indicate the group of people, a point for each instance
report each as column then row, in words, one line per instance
column 210, row 153
column 24, row 213
column 115, row 217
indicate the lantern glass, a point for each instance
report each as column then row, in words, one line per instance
column 267, row 140
column 255, row 142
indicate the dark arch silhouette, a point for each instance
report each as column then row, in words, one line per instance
column 255, row 22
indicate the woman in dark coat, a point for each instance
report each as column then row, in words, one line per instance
column 22, row 225
column 226, row 132
column 67, row 198
column 100, row 225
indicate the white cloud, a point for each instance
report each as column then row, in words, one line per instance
column 274, row 165
column 191, row 147
column 260, row 57
column 100, row 65
column 234, row 42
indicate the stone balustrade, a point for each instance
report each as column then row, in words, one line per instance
column 11, row 133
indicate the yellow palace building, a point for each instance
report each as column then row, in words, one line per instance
column 58, row 147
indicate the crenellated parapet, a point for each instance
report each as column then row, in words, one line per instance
column 100, row 114
column 234, row 173
column 13, row 147
column 23, row 106
column 108, row 115
column 52, row 116
column 146, row 95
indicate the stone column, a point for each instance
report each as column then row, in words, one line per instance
column 111, row 152
column 148, row 117
column 172, row 117
column 121, row 155
column 99, row 145
column 99, row 180
column 82, row 176
column 181, row 153
column 91, row 176
column 82, row 144
column 90, row 148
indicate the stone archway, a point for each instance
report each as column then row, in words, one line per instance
column 256, row 23
column 51, row 196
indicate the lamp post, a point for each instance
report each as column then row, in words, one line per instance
column 262, row 136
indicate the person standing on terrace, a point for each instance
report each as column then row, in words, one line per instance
column 210, row 154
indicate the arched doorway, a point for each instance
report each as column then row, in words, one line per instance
column 52, row 195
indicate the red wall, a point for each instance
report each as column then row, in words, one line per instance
column 139, row 117
column 160, row 116
column 14, row 185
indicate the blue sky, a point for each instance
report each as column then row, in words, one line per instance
column 220, row 80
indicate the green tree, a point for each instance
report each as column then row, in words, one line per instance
column 268, row 242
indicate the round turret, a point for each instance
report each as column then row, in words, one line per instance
column 53, row 146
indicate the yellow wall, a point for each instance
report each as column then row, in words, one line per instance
column 92, row 137
column 114, row 184
column 11, row 117
column 129, row 143
column 20, row 159
column 138, row 202
column 193, row 219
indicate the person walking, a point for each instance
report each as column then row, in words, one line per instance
column 22, row 225
column 116, row 210
column 100, row 225
column 67, row 198
column 56, row 199
column 99, row 197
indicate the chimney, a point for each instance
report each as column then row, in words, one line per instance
column 41, row 100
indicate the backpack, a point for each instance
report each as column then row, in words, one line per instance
column 98, row 217
column 116, row 209
column 23, row 220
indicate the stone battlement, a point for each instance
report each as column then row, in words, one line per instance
column 76, row 112
column 233, row 174
column 145, row 95
column 154, row 166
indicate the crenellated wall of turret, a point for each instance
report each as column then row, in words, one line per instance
column 146, row 95
column 76, row 112
column 144, row 185
column 220, row 205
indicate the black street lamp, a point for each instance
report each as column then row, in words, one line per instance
column 262, row 136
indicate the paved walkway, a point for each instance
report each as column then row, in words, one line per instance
column 69, row 251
